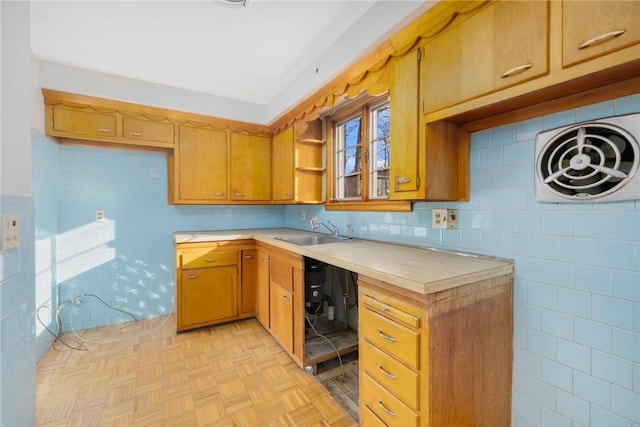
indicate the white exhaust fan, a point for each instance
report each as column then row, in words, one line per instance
column 589, row 162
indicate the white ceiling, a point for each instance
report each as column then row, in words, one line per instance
column 250, row 54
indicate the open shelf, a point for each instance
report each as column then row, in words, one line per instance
column 318, row 350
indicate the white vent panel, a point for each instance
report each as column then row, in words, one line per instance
column 589, row 162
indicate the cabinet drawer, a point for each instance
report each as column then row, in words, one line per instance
column 390, row 309
column 282, row 273
column 211, row 258
column 83, row 122
column 385, row 405
column 390, row 336
column 146, row 130
column 368, row 418
column 390, row 373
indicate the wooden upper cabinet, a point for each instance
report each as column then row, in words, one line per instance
column 147, row 130
column 82, row 123
column 250, row 160
column 405, row 151
column 591, row 29
column 200, row 165
column 505, row 43
column 79, row 117
column 282, row 165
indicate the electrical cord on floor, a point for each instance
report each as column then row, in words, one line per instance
column 330, row 343
column 59, row 324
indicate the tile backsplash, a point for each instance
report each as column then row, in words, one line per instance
column 577, row 274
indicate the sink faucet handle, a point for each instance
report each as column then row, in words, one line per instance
column 314, row 222
column 336, row 230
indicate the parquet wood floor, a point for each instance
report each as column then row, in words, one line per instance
column 144, row 374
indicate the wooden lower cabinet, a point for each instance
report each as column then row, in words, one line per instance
column 281, row 298
column 443, row 359
column 210, row 284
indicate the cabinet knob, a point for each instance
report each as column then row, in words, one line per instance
column 516, row 70
column 286, row 298
column 386, row 337
column 385, row 409
column 103, row 130
column 601, row 38
column 135, row 134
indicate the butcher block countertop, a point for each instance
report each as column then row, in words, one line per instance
column 421, row 270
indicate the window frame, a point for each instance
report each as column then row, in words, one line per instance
column 361, row 106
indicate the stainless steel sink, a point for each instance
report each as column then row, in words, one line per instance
column 314, row 240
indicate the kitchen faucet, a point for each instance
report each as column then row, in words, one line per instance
column 315, row 222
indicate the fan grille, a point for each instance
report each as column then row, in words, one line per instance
column 588, row 161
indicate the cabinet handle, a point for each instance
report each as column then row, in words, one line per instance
column 248, row 257
column 516, row 70
column 193, row 276
column 385, row 409
column 239, row 195
column 212, row 259
column 218, row 194
column 103, row 130
column 601, row 38
column 403, row 180
column 135, row 134
column 386, row 373
column 286, row 298
column 385, row 308
column 289, row 194
column 386, row 337
column 264, row 260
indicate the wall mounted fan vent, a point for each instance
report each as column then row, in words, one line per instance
column 589, row 162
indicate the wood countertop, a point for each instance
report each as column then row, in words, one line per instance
column 420, row 270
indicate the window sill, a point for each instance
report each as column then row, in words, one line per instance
column 374, row 205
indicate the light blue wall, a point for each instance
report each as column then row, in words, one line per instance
column 17, row 354
column 577, row 275
column 127, row 259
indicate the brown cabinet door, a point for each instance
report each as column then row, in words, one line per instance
column 207, row 295
column 201, row 165
column 405, row 117
column 281, row 315
column 504, row 44
column 250, row 167
column 146, row 130
column 83, row 124
column 591, row 29
column 282, row 165
column 249, row 285
column 263, row 289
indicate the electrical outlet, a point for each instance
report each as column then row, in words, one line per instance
column 452, row 218
column 99, row 215
column 10, row 231
column 303, row 214
column 439, row 218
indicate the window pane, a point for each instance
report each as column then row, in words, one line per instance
column 349, row 159
column 379, row 153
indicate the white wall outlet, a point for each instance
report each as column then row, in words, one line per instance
column 99, row 215
column 10, row 231
column 452, row 218
column 439, row 218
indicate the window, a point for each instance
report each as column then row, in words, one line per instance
column 358, row 160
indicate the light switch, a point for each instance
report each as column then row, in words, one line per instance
column 10, row 231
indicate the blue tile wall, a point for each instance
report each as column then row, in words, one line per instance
column 17, row 343
column 127, row 260
column 577, row 274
